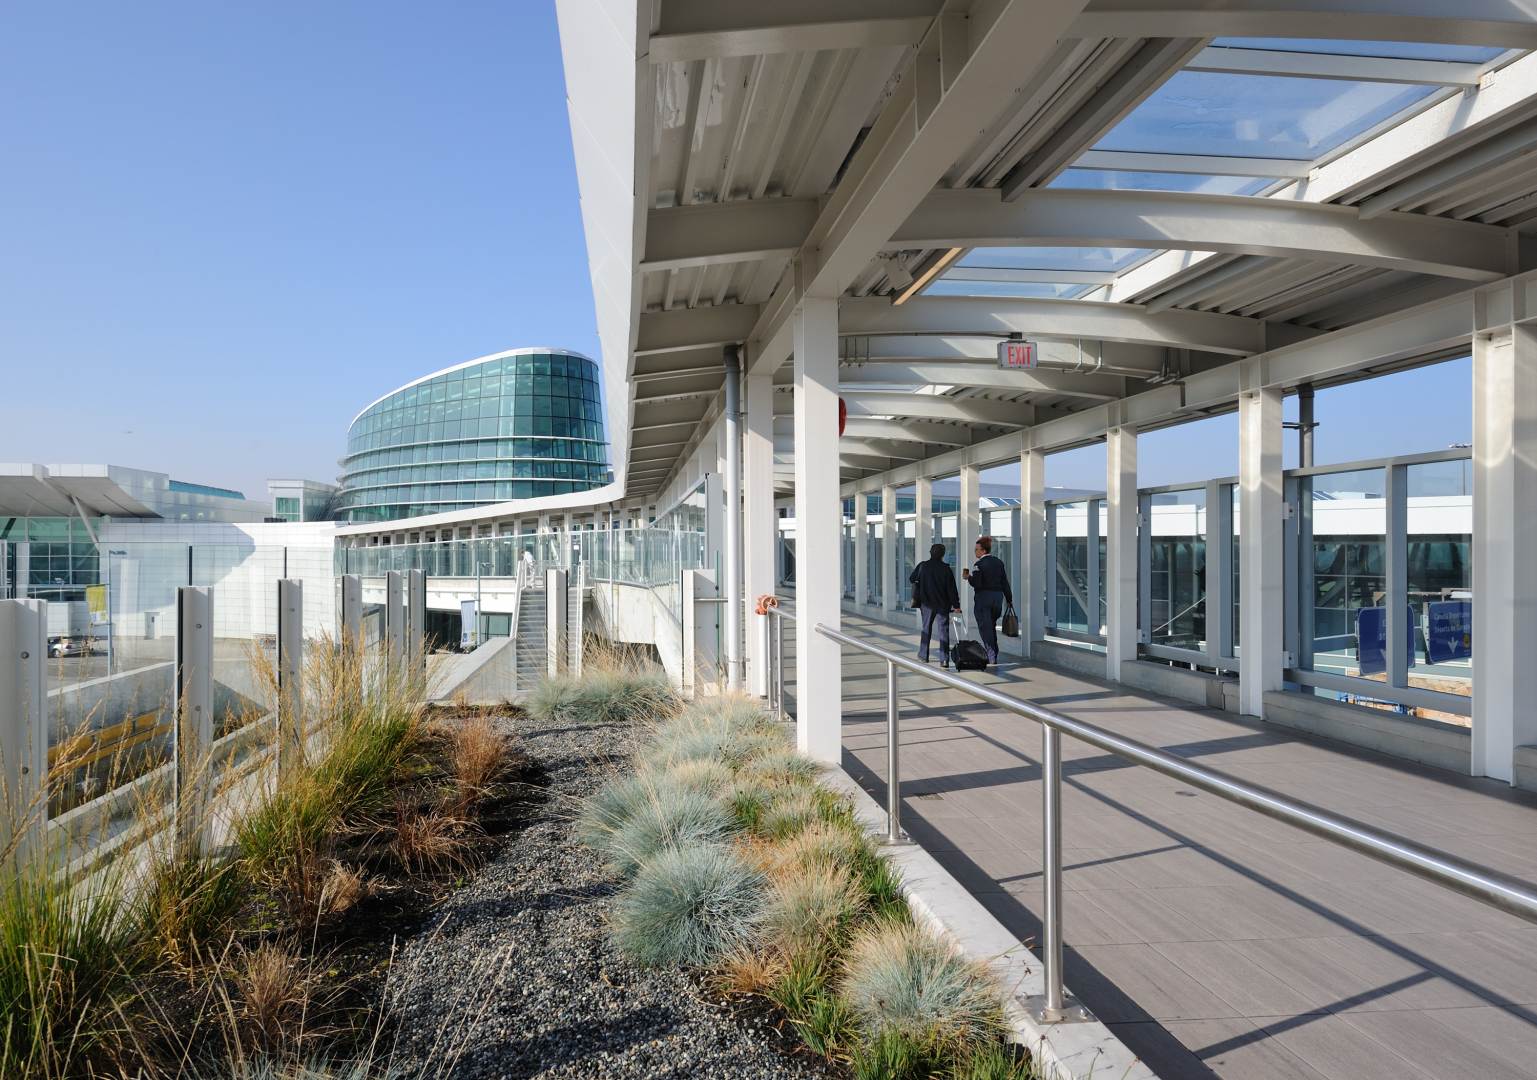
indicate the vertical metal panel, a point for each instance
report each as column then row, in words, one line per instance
column 394, row 619
column 23, row 727
column 349, row 609
column 290, row 733
column 416, row 622
column 1396, row 571
column 192, row 738
column 1091, row 539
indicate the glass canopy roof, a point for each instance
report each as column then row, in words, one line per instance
column 1266, row 116
column 1277, row 125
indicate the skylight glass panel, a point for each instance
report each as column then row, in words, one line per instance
column 1266, row 116
column 1017, row 290
column 1196, row 183
column 1055, row 258
column 1395, row 50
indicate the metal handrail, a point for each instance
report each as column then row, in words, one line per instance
column 776, row 683
column 1481, row 883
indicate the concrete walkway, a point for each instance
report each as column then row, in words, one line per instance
column 1213, row 941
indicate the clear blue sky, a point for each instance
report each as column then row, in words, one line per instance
column 227, row 227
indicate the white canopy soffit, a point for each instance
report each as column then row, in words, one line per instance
column 1154, row 191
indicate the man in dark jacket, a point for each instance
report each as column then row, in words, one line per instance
column 990, row 580
column 934, row 592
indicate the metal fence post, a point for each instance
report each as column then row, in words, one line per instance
column 394, row 621
column 1052, row 1005
column 193, row 712
column 291, row 735
column 23, row 728
column 350, row 608
column 416, row 622
column 894, row 833
column 779, row 665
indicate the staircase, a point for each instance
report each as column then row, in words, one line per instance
column 530, row 633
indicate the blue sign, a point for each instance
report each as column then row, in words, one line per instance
column 1448, row 630
column 1372, row 639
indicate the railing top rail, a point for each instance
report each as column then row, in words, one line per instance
column 1454, row 453
column 1489, row 886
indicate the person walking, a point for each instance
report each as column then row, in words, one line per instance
column 989, row 581
column 935, row 594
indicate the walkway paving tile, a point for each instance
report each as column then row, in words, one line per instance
column 1238, row 1048
column 1216, row 942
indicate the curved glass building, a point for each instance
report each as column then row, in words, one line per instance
column 516, row 425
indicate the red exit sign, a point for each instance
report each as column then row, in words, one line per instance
column 1016, row 354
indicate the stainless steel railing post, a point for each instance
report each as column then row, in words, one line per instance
column 894, row 833
column 1051, row 869
column 779, row 665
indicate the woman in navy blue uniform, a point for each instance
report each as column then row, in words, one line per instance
column 989, row 580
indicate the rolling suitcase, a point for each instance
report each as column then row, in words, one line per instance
column 966, row 655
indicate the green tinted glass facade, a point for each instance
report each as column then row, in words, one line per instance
column 515, row 426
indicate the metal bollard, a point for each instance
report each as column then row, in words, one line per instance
column 894, row 833
column 1052, row 1006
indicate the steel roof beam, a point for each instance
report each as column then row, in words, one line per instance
column 1199, row 164
column 1135, row 360
column 697, row 29
column 694, row 328
column 1068, row 383
column 934, row 407
column 1065, row 319
column 968, row 69
column 1469, row 22
column 1240, row 61
column 743, row 230
column 1223, row 223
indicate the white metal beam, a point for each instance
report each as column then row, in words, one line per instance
column 1469, row 22
column 708, row 234
column 1121, row 358
column 1073, row 384
column 932, row 407
column 907, row 431
column 1070, row 320
column 696, row 29
column 1233, row 61
column 972, row 67
column 1223, row 223
column 694, row 328
column 1200, row 164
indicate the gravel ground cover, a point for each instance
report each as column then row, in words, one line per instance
column 514, row 976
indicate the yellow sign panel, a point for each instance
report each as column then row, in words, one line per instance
column 96, row 602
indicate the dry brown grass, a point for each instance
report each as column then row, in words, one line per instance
column 477, row 755
column 344, row 887
column 750, row 971
column 272, row 989
column 431, row 840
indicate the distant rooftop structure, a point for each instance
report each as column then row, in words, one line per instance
column 30, row 489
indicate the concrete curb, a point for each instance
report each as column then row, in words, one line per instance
column 1066, row 1051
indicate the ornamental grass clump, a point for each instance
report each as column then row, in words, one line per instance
column 612, row 692
column 690, row 906
column 899, row 978
column 634, row 818
column 810, row 910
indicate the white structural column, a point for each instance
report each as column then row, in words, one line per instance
column 1504, row 537
column 1260, row 547
column 968, row 522
column 923, row 514
column 1030, row 571
column 861, row 549
column 760, row 526
column 1120, row 549
column 818, row 530
column 890, row 545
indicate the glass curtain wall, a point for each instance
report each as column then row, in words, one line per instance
column 1381, row 583
column 1075, row 552
column 874, row 566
